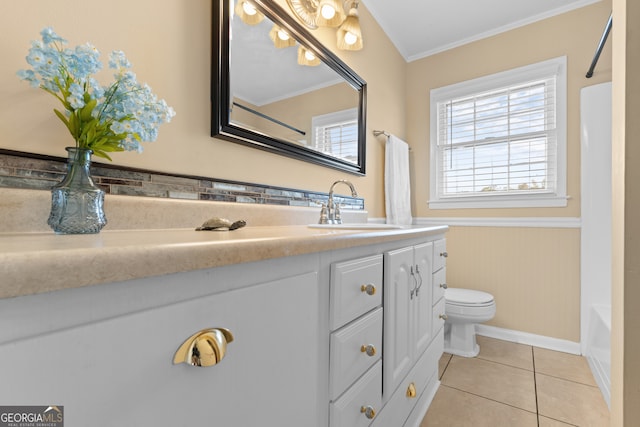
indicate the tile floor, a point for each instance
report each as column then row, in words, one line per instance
column 516, row 385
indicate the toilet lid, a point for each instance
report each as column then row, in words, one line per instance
column 467, row 296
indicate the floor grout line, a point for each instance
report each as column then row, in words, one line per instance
column 486, row 398
column 568, row 380
column 535, row 384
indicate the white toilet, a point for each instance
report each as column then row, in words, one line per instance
column 464, row 308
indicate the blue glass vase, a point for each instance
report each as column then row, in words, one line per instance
column 77, row 204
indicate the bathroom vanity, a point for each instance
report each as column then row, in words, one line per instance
column 323, row 327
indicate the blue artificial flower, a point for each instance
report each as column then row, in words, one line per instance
column 122, row 114
column 30, row 76
column 118, row 60
column 76, row 96
column 49, row 36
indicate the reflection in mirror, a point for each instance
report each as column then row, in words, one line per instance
column 268, row 93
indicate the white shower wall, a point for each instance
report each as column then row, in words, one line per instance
column 595, row 271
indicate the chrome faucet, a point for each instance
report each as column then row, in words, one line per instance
column 330, row 214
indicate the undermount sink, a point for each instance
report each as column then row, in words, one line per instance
column 358, row 226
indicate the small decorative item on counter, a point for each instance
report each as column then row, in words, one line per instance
column 76, row 202
column 101, row 119
column 221, row 224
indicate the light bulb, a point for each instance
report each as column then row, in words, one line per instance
column 309, row 55
column 327, row 11
column 282, row 35
column 350, row 38
column 248, row 8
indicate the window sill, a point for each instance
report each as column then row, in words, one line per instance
column 499, row 202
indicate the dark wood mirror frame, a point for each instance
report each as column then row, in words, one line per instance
column 221, row 125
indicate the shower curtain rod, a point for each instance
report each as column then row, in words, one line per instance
column 603, row 40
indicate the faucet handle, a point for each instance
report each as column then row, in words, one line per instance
column 324, row 216
column 336, row 214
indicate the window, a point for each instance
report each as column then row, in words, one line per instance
column 500, row 140
column 336, row 134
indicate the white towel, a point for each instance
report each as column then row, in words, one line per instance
column 396, row 182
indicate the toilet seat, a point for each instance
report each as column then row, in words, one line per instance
column 467, row 297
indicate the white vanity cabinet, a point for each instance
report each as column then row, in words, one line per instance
column 411, row 350
column 343, row 336
column 119, row 371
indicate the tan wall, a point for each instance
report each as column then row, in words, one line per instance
column 534, row 273
column 625, row 337
column 169, row 47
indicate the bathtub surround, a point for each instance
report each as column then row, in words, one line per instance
column 595, row 239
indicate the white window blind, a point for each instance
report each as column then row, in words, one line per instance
column 499, row 142
column 336, row 134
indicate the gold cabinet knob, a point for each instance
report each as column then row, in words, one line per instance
column 369, row 289
column 443, row 316
column 411, row 391
column 368, row 411
column 444, row 254
column 204, row 348
column 443, row 285
column 369, row 349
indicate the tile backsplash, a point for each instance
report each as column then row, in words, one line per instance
column 33, row 171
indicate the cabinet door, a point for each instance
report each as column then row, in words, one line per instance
column 397, row 343
column 423, row 313
column 119, row 372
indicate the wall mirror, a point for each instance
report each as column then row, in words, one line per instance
column 292, row 97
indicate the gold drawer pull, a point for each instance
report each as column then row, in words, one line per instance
column 204, row 348
column 370, row 289
column 369, row 349
column 443, row 316
column 411, row 391
column 368, row 411
column 444, row 254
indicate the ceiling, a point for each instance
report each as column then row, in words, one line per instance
column 419, row 28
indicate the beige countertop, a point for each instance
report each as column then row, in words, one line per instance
column 33, row 263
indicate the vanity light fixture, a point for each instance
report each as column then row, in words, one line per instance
column 248, row 13
column 330, row 13
column 280, row 37
column 307, row 57
column 349, row 34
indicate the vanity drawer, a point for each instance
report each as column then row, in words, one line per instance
column 439, row 254
column 361, row 403
column 356, row 288
column 354, row 349
column 439, row 284
column 438, row 312
column 423, row 374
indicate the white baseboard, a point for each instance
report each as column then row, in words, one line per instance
column 529, row 339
